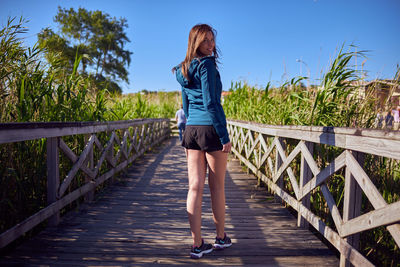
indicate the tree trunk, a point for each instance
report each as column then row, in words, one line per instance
column 104, row 62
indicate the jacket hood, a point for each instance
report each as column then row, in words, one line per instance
column 180, row 78
column 192, row 70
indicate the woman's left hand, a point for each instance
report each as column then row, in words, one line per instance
column 227, row 147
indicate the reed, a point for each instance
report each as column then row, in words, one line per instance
column 32, row 91
column 143, row 105
column 337, row 101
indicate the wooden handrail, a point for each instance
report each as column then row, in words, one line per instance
column 372, row 141
column 261, row 149
column 17, row 132
column 137, row 137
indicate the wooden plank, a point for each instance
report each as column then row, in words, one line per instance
column 364, row 182
column 71, row 155
column 252, row 144
column 179, row 258
column 124, row 144
column 104, row 152
column 88, row 178
column 332, row 207
column 375, row 146
column 123, row 242
column 285, row 166
column 133, row 142
column 141, row 249
column 141, row 138
column 378, row 142
column 278, row 180
column 118, row 154
column 308, row 157
column 258, row 127
column 370, row 191
column 351, row 206
column 270, row 165
column 75, row 168
column 333, row 167
column 53, row 181
column 267, row 150
column 110, row 151
column 17, row 132
column 390, row 214
column 242, row 139
column 263, row 144
column 306, row 175
column 67, row 151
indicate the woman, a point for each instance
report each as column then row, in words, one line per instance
column 206, row 138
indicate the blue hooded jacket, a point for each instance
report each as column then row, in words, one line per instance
column 201, row 97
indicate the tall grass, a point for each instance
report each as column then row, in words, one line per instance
column 337, row 101
column 33, row 91
column 141, row 105
column 30, row 91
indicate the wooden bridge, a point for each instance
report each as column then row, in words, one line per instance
column 141, row 219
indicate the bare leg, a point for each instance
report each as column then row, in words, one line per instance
column 217, row 161
column 196, row 161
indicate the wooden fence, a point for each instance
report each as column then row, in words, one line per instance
column 127, row 140
column 263, row 149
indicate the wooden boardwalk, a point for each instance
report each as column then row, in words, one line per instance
column 142, row 221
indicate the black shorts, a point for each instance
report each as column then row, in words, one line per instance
column 201, row 137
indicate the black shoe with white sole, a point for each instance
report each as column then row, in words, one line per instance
column 221, row 243
column 198, row 252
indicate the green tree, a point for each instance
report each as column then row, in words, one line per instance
column 95, row 36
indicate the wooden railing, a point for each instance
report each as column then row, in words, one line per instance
column 173, row 125
column 262, row 148
column 127, row 140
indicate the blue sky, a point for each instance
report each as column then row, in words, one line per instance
column 260, row 40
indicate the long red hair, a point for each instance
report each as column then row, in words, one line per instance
column 196, row 37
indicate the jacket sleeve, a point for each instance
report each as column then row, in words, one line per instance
column 185, row 103
column 208, row 73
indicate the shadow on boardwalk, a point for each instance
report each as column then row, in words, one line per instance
column 142, row 221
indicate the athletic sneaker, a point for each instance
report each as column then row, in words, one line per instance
column 221, row 243
column 197, row 252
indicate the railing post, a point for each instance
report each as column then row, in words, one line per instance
column 305, row 176
column 278, row 163
column 53, row 176
column 352, row 205
column 167, row 129
column 126, row 148
column 259, row 156
column 110, row 155
column 90, row 195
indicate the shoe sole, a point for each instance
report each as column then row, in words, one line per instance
column 220, row 247
column 199, row 255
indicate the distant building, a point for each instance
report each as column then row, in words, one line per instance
column 380, row 90
column 224, row 94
